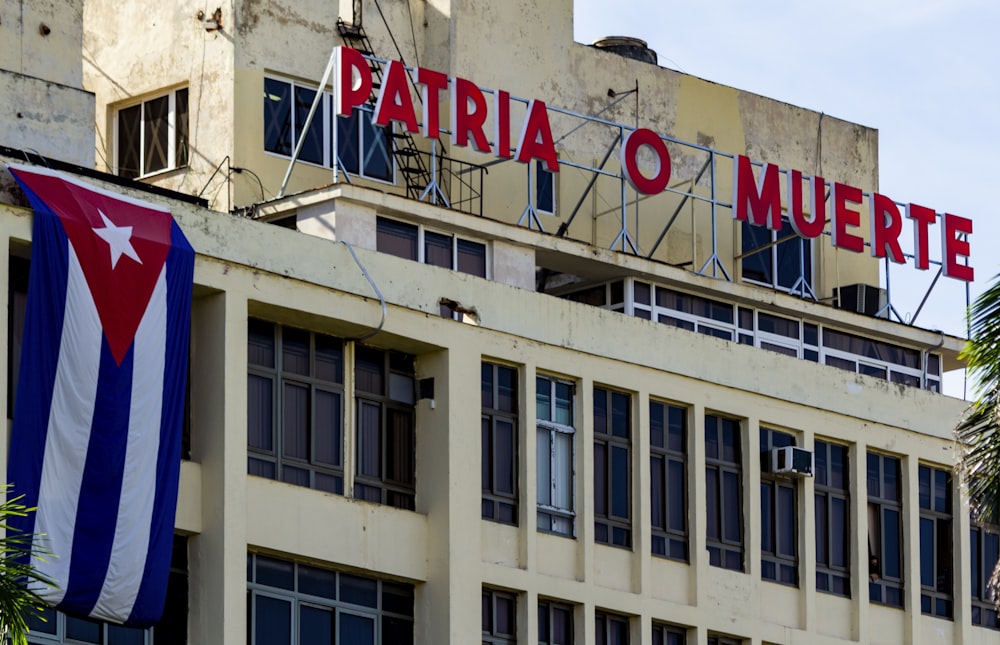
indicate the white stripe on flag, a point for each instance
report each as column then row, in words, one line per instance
column 70, row 418
column 135, row 508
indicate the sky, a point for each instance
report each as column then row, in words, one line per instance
column 922, row 72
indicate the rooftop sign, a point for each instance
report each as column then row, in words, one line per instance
column 755, row 200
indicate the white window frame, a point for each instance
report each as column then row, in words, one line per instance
column 421, row 245
column 172, row 132
column 41, row 638
column 552, row 429
column 773, row 250
column 536, row 189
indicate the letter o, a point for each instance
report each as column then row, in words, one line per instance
column 629, row 152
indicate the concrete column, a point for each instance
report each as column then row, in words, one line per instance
column 217, row 557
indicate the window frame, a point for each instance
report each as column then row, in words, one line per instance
column 669, row 541
column 297, row 598
column 884, row 589
column 177, row 133
column 548, row 609
column 493, row 413
column 837, row 577
column 326, row 122
column 491, row 633
column 667, row 634
column 542, row 178
column 279, row 379
column 983, row 556
column 936, row 559
column 392, row 492
column 775, row 522
column 604, row 622
column 772, row 248
column 552, row 430
column 609, row 527
column 723, row 549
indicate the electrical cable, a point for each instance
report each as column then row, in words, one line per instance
column 378, row 292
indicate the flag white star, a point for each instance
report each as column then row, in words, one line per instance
column 119, row 239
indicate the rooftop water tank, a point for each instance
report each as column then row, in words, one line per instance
column 628, row 47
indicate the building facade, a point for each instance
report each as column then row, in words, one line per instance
column 692, row 429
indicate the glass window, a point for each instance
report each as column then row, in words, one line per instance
column 985, row 549
column 545, row 189
column 724, row 492
column 386, row 436
column 779, row 259
column 778, row 515
column 153, row 135
column 499, row 443
column 668, row 480
column 555, row 405
column 555, row 623
column 499, row 617
column 885, row 532
column 936, row 548
column 325, row 606
column 612, row 467
column 295, row 393
column 610, row 629
column 833, row 528
column 664, row 634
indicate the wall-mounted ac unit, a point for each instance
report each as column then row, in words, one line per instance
column 861, row 298
column 792, row 461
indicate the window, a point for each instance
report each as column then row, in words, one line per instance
column 153, row 135
column 983, row 555
column 556, row 442
column 499, row 437
column 833, row 526
column 885, row 533
column 545, row 189
column 414, row 243
column 610, row 629
column 612, row 467
column 295, row 393
column 668, row 634
column 668, row 479
column 778, row 515
column 715, row 639
column 499, row 617
column 363, row 149
column 936, row 545
column 724, row 492
column 385, row 392
column 783, row 261
column 292, row 603
column 555, row 623
column 17, row 297
column 54, row 627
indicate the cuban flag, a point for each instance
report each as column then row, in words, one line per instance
column 98, row 415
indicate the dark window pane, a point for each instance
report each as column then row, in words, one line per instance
column 315, row 626
column 181, row 121
column 377, row 147
column 731, row 506
column 275, row 573
column 369, row 439
column 156, row 114
column 545, row 193
column 505, row 457
column 277, row 116
column 437, row 250
column 272, row 621
column 358, row 591
column 349, row 141
column 619, row 482
column 259, row 413
column 82, row 629
column 327, row 432
column 295, row 421
column 471, row 258
column 129, row 141
column 356, row 630
column 317, row 582
column 676, row 495
column 397, row 238
column 312, row 147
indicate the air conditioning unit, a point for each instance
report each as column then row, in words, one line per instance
column 862, row 298
column 792, row 461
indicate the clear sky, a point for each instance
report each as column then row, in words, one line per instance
column 925, row 73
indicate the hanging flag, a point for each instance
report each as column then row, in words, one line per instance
column 100, row 399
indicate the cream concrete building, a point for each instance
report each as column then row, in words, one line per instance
column 668, row 452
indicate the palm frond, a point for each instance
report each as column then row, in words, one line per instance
column 19, row 578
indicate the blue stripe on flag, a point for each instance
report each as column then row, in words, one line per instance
column 148, row 606
column 100, row 491
column 43, row 322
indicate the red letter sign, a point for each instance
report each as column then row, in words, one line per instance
column 922, row 218
column 886, row 225
column 536, row 137
column 394, row 102
column 433, row 83
column 501, row 124
column 844, row 217
column 756, row 202
column 468, row 114
column 661, row 168
column 348, row 93
column 952, row 247
column 817, row 205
